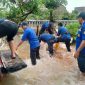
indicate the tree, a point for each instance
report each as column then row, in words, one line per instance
column 53, row 4
column 20, row 9
column 73, row 15
column 66, row 16
column 2, row 12
column 73, row 28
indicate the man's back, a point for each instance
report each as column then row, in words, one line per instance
column 46, row 37
column 30, row 35
column 64, row 32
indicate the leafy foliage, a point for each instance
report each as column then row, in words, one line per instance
column 71, row 16
column 53, row 4
column 73, row 27
column 18, row 10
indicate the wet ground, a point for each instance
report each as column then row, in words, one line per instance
column 61, row 69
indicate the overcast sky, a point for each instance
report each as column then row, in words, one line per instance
column 74, row 3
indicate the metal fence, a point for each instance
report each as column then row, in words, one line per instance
column 40, row 22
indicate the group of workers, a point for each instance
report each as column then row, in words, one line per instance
column 46, row 34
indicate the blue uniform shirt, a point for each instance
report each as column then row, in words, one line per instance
column 30, row 35
column 80, row 37
column 46, row 37
column 64, row 33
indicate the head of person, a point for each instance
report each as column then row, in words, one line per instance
column 23, row 25
column 60, row 24
column 45, row 25
column 81, row 17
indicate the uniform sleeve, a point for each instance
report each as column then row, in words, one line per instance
column 83, row 33
column 24, row 37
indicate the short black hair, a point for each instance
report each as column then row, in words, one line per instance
column 60, row 24
column 81, row 15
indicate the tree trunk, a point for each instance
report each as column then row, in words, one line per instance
column 51, row 15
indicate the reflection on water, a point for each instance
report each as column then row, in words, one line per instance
column 60, row 70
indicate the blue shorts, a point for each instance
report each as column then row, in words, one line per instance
column 81, row 63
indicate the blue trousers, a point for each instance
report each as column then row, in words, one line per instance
column 34, row 54
column 67, row 42
column 81, row 63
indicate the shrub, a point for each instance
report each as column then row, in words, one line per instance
column 73, row 28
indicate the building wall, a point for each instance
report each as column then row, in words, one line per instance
column 80, row 9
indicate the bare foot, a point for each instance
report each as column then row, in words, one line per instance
column 13, row 56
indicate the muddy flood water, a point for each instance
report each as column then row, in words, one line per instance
column 61, row 69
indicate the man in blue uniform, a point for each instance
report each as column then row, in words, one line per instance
column 30, row 35
column 80, row 43
column 64, row 36
column 47, row 26
column 49, row 39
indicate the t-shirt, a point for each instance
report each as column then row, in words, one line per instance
column 64, row 33
column 46, row 37
column 30, row 35
column 80, row 37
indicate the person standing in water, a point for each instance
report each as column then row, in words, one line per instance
column 80, row 43
column 30, row 35
column 9, row 29
column 64, row 36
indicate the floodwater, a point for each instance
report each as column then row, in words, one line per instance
column 61, row 69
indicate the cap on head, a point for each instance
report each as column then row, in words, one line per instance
column 45, row 25
column 81, row 15
column 23, row 23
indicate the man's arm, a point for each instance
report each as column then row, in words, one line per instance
column 20, row 43
column 81, row 46
column 77, row 53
